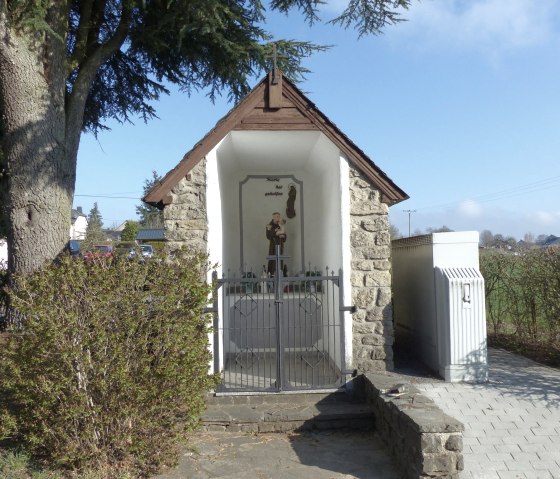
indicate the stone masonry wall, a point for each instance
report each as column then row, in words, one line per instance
column 372, row 325
column 185, row 218
column 425, row 442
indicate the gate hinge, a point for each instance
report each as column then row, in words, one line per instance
column 352, row 309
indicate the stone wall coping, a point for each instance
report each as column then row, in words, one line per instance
column 421, row 412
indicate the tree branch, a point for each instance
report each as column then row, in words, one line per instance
column 3, row 23
column 87, row 71
column 82, row 33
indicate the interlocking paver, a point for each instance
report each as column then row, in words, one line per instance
column 512, row 423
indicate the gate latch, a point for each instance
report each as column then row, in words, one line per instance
column 352, row 309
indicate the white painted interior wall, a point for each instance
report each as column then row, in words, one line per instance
column 311, row 158
column 308, row 156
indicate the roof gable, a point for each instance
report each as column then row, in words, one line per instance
column 275, row 104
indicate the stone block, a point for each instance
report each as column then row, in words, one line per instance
column 357, row 278
column 373, row 340
column 432, row 443
column 382, row 265
column 376, row 224
column 364, row 297
column 359, row 316
column 362, row 239
column 383, row 296
column 438, row 463
column 383, row 238
column 365, row 203
column 377, row 278
column 454, row 442
column 371, row 253
column 363, row 265
column 363, row 328
column 215, row 428
column 460, row 462
column 378, row 352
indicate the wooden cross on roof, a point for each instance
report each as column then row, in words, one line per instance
column 274, row 81
column 274, row 58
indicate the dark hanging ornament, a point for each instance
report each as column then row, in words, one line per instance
column 290, row 210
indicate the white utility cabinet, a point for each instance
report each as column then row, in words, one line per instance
column 439, row 303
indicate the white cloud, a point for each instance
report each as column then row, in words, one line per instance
column 547, row 218
column 492, row 26
column 470, row 208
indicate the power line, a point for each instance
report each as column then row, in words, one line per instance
column 111, row 197
column 539, row 185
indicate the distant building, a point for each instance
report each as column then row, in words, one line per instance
column 120, row 227
column 551, row 240
column 78, row 224
column 3, row 254
column 150, row 234
column 112, row 235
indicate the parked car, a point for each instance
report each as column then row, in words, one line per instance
column 147, row 251
column 73, row 247
column 99, row 251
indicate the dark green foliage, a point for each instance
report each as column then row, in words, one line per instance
column 523, row 292
column 150, row 216
column 371, row 17
column 202, row 44
column 94, row 230
column 130, row 231
column 111, row 366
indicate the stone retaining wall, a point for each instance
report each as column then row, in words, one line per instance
column 425, row 442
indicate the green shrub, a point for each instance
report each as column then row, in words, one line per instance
column 110, row 368
column 523, row 292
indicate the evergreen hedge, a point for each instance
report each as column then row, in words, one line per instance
column 110, row 367
column 523, row 292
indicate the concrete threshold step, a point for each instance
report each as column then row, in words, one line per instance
column 282, row 413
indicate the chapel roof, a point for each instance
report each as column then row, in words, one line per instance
column 276, row 104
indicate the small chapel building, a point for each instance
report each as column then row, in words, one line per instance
column 296, row 217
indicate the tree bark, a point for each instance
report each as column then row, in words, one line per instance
column 42, row 124
column 40, row 174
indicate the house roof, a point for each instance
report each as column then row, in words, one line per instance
column 153, row 234
column 75, row 214
column 275, row 104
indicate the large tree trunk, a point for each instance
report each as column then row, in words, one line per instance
column 39, row 165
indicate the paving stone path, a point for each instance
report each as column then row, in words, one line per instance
column 307, row 455
column 512, row 423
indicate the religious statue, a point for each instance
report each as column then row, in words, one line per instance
column 276, row 235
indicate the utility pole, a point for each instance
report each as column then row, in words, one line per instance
column 409, row 214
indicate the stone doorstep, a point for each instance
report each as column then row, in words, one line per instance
column 335, row 396
column 286, row 413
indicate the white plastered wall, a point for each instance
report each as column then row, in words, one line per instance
column 312, row 159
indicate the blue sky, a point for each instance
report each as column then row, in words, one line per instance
column 460, row 106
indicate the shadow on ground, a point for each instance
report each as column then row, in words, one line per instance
column 515, row 376
column 306, row 455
